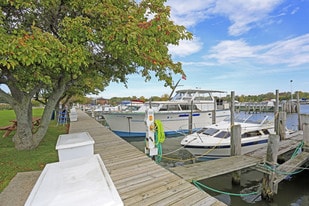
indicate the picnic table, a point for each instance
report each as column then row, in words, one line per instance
column 9, row 128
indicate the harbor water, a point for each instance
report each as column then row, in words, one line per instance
column 293, row 191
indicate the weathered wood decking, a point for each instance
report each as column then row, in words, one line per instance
column 207, row 169
column 138, row 179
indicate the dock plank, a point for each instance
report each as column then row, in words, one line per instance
column 136, row 189
column 156, row 195
column 291, row 166
column 207, row 169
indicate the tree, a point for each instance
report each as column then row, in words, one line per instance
column 54, row 47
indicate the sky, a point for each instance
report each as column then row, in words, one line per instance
column 250, row 47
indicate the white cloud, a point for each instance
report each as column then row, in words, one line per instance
column 231, row 51
column 293, row 52
column 243, row 14
column 185, row 47
column 189, row 13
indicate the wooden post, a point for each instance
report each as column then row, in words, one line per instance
column 236, row 150
column 214, row 112
column 282, row 125
column 276, row 112
column 190, row 118
column 268, row 188
column 298, row 113
column 306, row 136
column 232, row 109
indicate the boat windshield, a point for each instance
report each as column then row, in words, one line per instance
column 198, row 95
column 208, row 131
column 223, row 134
column 255, row 119
column 251, row 134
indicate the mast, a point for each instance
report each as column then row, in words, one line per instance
column 174, row 87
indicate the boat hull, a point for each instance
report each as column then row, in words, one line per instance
column 224, row 150
column 174, row 123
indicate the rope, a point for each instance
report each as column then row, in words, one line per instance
column 298, row 149
column 193, row 158
column 282, row 172
column 200, row 186
column 159, row 139
column 160, row 131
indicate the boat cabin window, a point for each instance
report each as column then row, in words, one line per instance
column 208, row 131
column 131, row 108
column 203, row 97
column 223, row 134
column 251, row 134
column 172, row 107
column 265, row 131
column 187, row 107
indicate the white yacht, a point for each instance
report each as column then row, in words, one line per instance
column 174, row 114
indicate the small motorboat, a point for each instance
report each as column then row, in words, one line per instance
column 214, row 141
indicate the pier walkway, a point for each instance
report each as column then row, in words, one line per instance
column 138, row 179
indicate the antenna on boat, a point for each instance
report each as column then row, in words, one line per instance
column 174, row 87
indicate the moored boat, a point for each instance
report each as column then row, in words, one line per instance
column 214, row 141
column 174, row 114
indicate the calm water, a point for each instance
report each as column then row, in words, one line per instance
column 291, row 192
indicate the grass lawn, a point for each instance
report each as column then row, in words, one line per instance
column 13, row 161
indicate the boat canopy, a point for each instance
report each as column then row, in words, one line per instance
column 195, row 94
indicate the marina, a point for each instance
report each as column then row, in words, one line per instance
column 141, row 181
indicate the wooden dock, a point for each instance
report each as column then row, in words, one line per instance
column 138, row 179
column 207, row 169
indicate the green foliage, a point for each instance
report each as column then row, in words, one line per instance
column 269, row 96
column 84, row 40
column 13, row 161
column 55, row 49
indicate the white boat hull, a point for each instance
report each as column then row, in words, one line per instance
column 174, row 123
column 223, row 149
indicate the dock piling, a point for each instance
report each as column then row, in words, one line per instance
column 282, row 125
column 268, row 188
column 306, row 137
column 236, row 150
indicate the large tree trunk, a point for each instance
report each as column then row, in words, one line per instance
column 24, row 137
